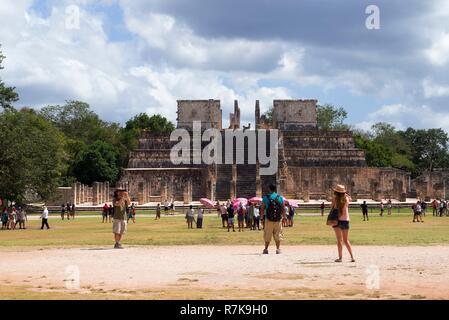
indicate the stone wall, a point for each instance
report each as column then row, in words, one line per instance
column 294, row 114
column 317, row 182
column 160, row 184
column 206, row 111
column 431, row 185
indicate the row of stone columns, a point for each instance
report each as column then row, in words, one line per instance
column 100, row 193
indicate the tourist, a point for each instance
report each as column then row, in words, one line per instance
column 424, row 207
column 158, row 211
column 417, row 212
column 247, row 216
column 230, row 217
column 12, row 216
column 190, row 217
column 44, row 217
column 110, row 213
column 322, row 207
column 21, row 217
column 435, row 207
column 389, row 207
column 63, row 211
column 199, row 218
column 341, row 202
column 444, row 208
column 173, row 208
column 256, row 223
column 105, row 213
column 224, row 216
column 291, row 214
column 68, row 210
column 442, row 205
column 120, row 202
column 129, row 214
column 364, row 207
column 4, row 218
column 241, row 217
column 381, row 208
column 272, row 211
column 133, row 212
column 165, row 207
column 73, row 211
column 251, row 216
column 284, row 217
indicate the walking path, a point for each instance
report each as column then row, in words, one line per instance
column 233, row 272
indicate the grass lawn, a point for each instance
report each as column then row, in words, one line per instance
column 388, row 230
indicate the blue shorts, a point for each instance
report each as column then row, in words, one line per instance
column 230, row 220
column 343, row 225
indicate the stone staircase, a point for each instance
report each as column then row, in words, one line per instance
column 246, row 180
column 223, row 185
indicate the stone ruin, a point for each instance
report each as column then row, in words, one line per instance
column 78, row 193
column 311, row 161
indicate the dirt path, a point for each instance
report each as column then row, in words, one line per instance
column 232, row 272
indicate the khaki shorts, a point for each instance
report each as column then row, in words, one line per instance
column 119, row 226
column 273, row 229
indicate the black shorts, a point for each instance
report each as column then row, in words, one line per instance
column 240, row 218
column 343, row 225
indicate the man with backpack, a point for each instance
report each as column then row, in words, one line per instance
column 272, row 211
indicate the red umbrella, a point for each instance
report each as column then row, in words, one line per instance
column 207, row 203
column 236, row 202
column 255, row 200
column 292, row 203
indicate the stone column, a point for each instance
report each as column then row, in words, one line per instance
column 233, row 192
column 95, row 193
column 306, row 196
column 107, row 199
column 187, row 194
column 78, row 192
column 75, row 193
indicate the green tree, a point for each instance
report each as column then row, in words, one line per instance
column 331, row 118
column 376, row 154
column 269, row 115
column 134, row 127
column 429, row 148
column 31, row 156
column 155, row 123
column 8, row 95
column 82, row 127
column 96, row 162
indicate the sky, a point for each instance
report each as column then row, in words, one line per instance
column 124, row 57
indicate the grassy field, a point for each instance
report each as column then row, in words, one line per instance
column 388, row 230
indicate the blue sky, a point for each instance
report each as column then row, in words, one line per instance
column 124, row 57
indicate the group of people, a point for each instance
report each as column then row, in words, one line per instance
column 440, row 207
column 12, row 216
column 68, row 209
column 108, row 212
column 248, row 216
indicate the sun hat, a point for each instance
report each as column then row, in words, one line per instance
column 340, row 188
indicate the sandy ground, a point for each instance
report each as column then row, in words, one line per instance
column 233, row 272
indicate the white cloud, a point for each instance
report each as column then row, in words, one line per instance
column 432, row 89
column 402, row 117
column 438, row 53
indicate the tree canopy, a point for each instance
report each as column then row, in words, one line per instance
column 8, row 95
column 31, row 156
column 331, row 118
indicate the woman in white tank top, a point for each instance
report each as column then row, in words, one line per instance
column 341, row 202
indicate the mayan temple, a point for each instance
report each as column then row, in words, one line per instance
column 310, row 161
